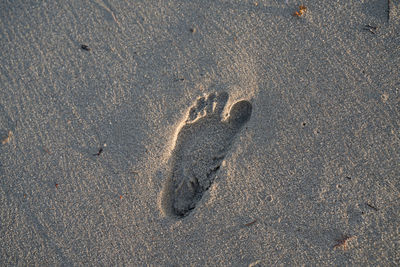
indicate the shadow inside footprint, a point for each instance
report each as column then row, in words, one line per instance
column 201, row 145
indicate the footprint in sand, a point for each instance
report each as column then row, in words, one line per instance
column 201, row 145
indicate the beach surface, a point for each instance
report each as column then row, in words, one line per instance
column 199, row 133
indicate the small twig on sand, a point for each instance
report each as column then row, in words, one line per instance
column 100, row 150
column 7, row 139
column 372, row 207
column 388, row 11
column 370, row 28
column 98, row 153
column 250, row 223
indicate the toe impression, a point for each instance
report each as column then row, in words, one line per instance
column 240, row 113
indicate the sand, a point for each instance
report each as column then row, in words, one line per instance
column 107, row 158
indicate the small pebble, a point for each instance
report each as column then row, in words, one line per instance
column 85, row 47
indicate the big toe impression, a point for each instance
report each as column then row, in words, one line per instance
column 240, row 113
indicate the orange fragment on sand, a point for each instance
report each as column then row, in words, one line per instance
column 302, row 10
column 342, row 243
